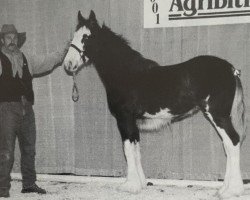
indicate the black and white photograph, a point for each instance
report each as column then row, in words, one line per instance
column 124, row 99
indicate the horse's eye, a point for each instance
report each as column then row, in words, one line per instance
column 84, row 37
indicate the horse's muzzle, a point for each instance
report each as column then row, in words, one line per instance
column 70, row 67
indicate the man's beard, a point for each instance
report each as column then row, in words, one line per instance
column 12, row 47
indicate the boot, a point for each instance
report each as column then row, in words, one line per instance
column 34, row 189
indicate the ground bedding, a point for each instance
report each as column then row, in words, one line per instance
column 94, row 190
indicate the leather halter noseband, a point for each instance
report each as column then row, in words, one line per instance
column 81, row 52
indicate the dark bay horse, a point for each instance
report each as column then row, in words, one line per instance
column 142, row 95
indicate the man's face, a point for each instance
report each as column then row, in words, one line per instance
column 10, row 41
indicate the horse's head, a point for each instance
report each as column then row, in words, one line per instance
column 86, row 31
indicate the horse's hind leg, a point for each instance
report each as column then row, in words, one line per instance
column 233, row 184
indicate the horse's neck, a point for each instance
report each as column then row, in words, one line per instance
column 113, row 58
column 110, row 56
column 110, row 68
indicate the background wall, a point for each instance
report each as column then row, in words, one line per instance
column 82, row 137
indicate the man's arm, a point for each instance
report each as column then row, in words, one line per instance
column 39, row 64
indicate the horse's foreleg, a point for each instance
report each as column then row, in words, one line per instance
column 139, row 165
column 132, row 183
column 130, row 136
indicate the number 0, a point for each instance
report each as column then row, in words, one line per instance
column 155, row 7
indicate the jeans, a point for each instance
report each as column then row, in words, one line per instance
column 17, row 120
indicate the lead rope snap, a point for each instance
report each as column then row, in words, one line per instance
column 75, row 93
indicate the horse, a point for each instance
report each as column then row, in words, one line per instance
column 142, row 95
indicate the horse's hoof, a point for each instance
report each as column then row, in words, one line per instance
column 228, row 193
column 216, row 194
column 131, row 187
column 220, row 191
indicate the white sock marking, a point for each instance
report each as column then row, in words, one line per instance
column 133, row 183
column 139, row 165
column 233, row 184
column 129, row 150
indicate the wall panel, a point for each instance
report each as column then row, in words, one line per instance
column 82, row 137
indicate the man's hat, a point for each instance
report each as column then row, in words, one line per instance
column 10, row 28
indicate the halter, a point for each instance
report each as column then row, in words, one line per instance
column 75, row 93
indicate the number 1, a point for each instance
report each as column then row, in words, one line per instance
column 157, row 18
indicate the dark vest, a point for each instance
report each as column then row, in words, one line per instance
column 13, row 88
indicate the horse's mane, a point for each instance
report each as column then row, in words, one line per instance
column 122, row 51
column 114, row 40
column 114, row 37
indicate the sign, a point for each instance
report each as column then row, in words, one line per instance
column 177, row 13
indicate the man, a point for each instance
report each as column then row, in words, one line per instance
column 16, row 112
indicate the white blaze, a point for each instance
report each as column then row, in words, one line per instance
column 73, row 58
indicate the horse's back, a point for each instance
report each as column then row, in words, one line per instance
column 209, row 74
column 183, row 86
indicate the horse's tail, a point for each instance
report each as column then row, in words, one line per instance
column 238, row 109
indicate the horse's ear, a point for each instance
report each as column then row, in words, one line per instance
column 80, row 17
column 92, row 18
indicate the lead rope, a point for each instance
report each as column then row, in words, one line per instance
column 75, row 93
